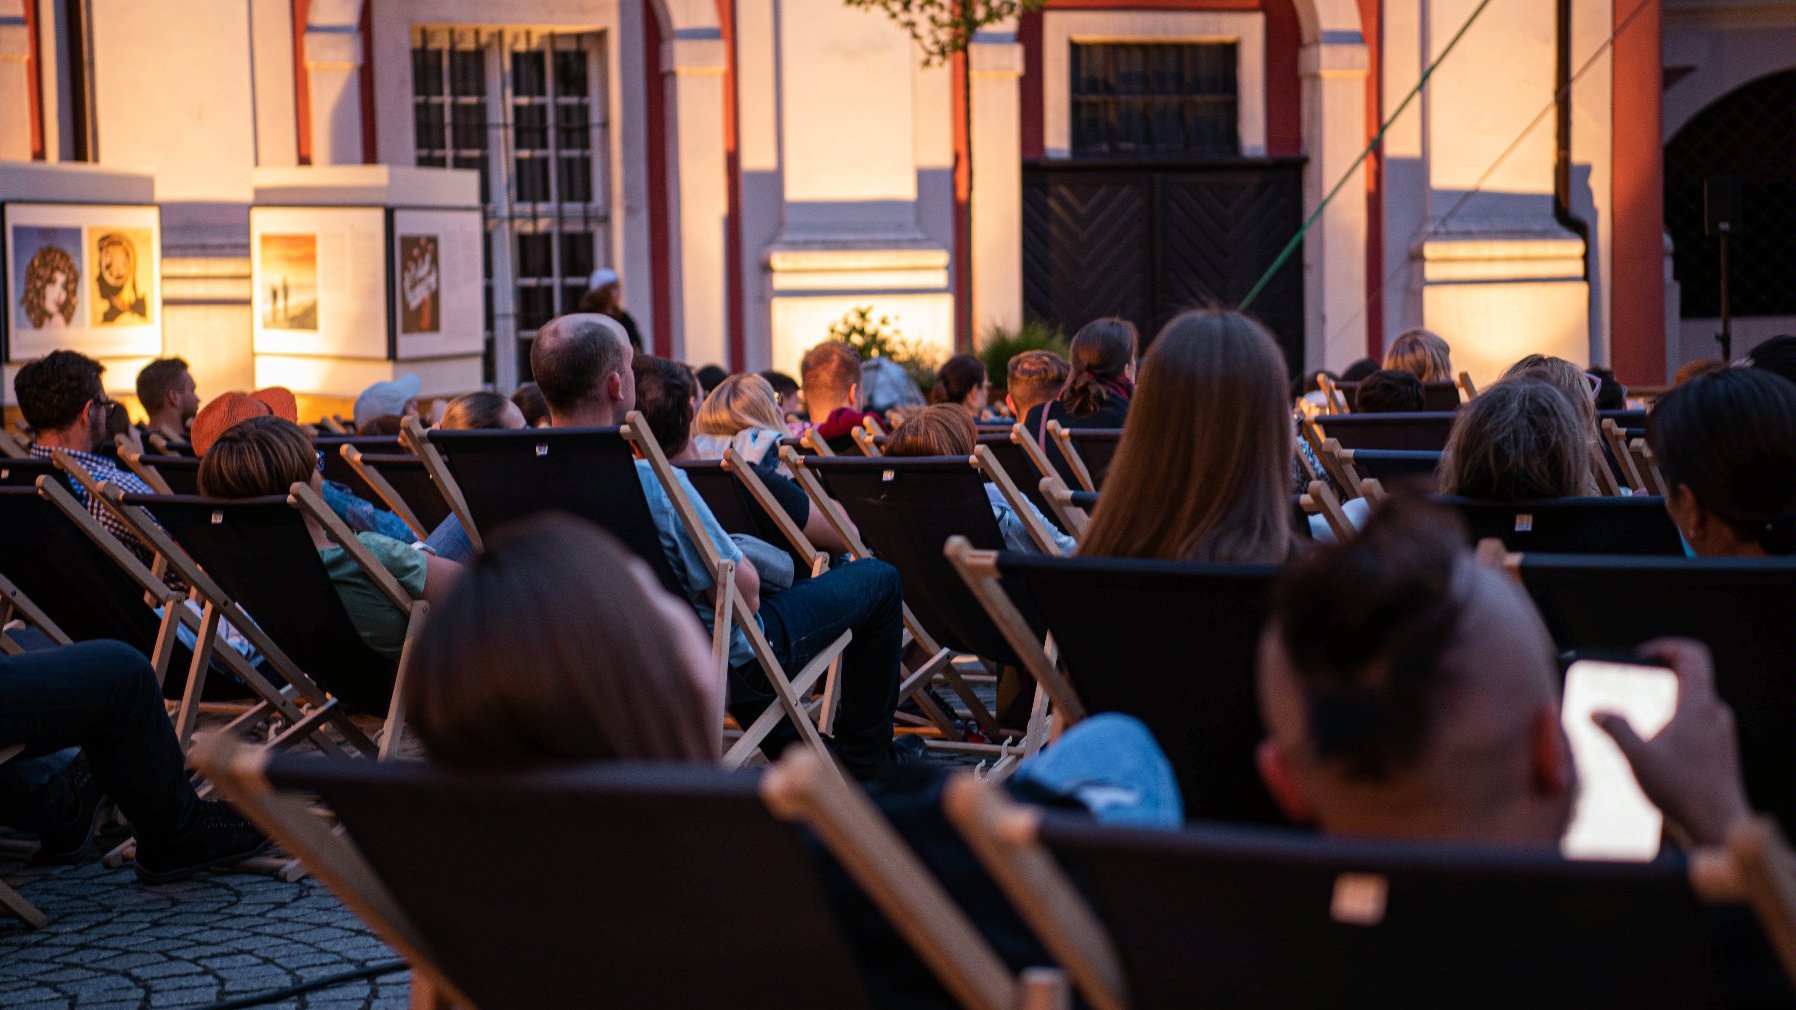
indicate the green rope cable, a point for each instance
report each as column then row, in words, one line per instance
column 1372, row 145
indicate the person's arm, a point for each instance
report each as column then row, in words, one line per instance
column 439, row 576
column 822, row 533
column 748, row 583
column 1691, row 769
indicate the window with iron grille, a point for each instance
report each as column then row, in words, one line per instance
column 1750, row 134
column 1155, row 100
column 527, row 110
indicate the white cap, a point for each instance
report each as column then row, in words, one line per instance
column 600, row 278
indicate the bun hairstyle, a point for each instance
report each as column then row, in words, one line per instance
column 957, row 379
column 1730, row 437
column 1100, row 352
column 1366, row 625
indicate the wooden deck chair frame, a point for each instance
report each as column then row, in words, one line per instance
column 815, row 442
column 1647, row 466
column 1617, row 442
column 1467, row 388
column 863, row 440
column 1338, row 463
column 412, row 435
column 1332, row 399
column 1020, row 437
column 980, row 572
column 11, row 447
column 11, row 900
column 384, row 490
column 1063, row 440
column 799, row 789
column 1073, row 519
column 133, row 459
column 1322, row 500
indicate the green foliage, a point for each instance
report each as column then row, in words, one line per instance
column 1002, row 344
column 880, row 337
column 945, row 27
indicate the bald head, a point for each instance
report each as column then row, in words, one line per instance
column 581, row 363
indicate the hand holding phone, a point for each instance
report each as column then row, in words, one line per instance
column 1613, row 818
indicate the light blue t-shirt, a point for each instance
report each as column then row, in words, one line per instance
column 1016, row 535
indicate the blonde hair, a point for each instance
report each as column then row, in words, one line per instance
column 1423, row 353
column 1203, row 470
column 742, row 401
column 1517, row 441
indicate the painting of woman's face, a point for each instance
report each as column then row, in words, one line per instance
column 115, row 263
column 56, row 293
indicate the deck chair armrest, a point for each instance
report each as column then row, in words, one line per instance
column 383, row 489
column 734, row 462
column 1025, row 511
column 1339, row 464
column 820, row 499
column 1063, row 440
column 1330, row 507
column 815, row 442
column 863, row 440
column 1019, row 437
column 310, row 503
column 16, row 599
column 412, row 436
column 11, row 447
column 979, row 570
column 149, row 474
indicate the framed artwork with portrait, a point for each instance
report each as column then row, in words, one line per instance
column 86, row 277
column 439, row 301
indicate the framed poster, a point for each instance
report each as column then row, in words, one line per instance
column 319, row 277
column 87, row 277
column 439, row 299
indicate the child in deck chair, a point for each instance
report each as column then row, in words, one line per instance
column 625, row 675
column 267, row 456
column 946, row 429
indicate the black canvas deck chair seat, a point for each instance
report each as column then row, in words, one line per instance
column 1420, row 432
column 491, row 478
column 402, row 485
column 740, row 502
column 1743, row 609
column 1396, row 470
column 338, row 469
column 1172, row 643
column 1087, row 452
column 1230, row 916
column 24, row 471
column 164, row 473
column 1016, row 461
column 1638, row 525
column 639, row 928
column 904, row 511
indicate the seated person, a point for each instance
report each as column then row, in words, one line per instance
column 479, row 410
column 483, row 699
column 1100, row 380
column 530, row 400
column 103, row 697
column 1388, row 391
column 1519, row 440
column 267, row 456
column 1421, row 353
column 1031, row 378
column 962, row 381
column 1203, row 469
column 169, row 399
column 832, row 393
column 946, row 429
column 742, row 413
column 1579, row 389
column 383, row 407
column 785, row 389
column 1725, row 443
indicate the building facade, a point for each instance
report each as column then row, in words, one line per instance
column 754, row 169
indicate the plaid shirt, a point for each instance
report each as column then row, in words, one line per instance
column 105, row 471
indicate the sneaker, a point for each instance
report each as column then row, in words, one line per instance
column 218, row 836
column 69, row 841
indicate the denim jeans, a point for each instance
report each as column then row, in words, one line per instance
column 102, row 697
column 864, row 597
column 1111, row 763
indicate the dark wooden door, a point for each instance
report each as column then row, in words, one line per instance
column 1146, row 241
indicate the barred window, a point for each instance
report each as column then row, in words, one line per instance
column 1155, row 100
column 527, row 110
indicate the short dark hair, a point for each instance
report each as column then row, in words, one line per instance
column 1610, row 393
column 529, row 399
column 157, row 379
column 830, row 367
column 53, row 389
column 261, row 456
column 1730, row 437
column 571, row 357
column 956, row 380
column 711, row 376
column 1359, row 370
column 1388, row 391
column 664, row 392
column 1777, row 356
column 783, row 384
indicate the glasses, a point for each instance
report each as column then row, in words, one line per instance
column 320, row 454
column 1596, row 384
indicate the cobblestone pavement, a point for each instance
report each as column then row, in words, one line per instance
column 115, row 944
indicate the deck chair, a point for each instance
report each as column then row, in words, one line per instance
column 495, row 477
column 252, row 562
column 640, row 928
column 1615, row 444
column 740, row 502
column 1087, row 451
column 11, row 447
column 165, row 474
column 1279, row 919
column 11, row 901
column 1071, row 509
column 1467, row 388
column 1440, row 396
column 1171, row 643
column 24, row 471
column 1638, row 525
column 338, row 469
column 402, row 484
column 1744, row 609
column 1015, row 458
column 1647, row 466
column 905, row 509
column 1424, row 432
column 1394, row 469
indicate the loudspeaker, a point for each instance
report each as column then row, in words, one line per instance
column 1721, row 205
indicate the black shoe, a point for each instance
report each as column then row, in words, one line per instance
column 69, row 840
column 909, row 749
column 218, row 836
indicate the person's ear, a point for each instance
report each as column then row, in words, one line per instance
column 1010, row 405
column 1550, row 754
column 1689, row 516
column 854, row 395
column 614, row 387
column 1285, row 790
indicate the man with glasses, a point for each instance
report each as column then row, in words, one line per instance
column 67, row 408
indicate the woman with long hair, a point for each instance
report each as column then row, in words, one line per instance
column 1101, row 381
column 743, row 412
column 1422, row 353
column 1580, row 388
column 1519, row 440
column 1203, row 470
column 1725, row 443
column 963, row 382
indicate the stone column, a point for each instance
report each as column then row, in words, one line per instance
column 15, row 82
column 995, row 61
column 694, row 62
column 333, row 48
column 1334, row 69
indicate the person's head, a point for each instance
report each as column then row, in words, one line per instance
column 1033, row 377
column 1519, row 440
column 1101, row 355
column 604, row 293
column 961, row 381
column 606, row 678
column 472, row 411
column 709, row 378
column 831, row 373
column 165, row 388
column 51, row 285
column 1422, row 353
column 1388, row 391
column 1410, row 692
column 1579, row 388
column 742, row 401
column 530, row 402
column 581, row 363
column 664, row 394
column 941, row 429
column 1359, row 370
column 395, row 398
column 116, row 276
column 1203, row 471
column 1691, row 369
column 63, row 400
column 785, row 388
column 1777, row 356
column 1726, row 446
column 226, row 410
column 1610, row 393
column 261, row 456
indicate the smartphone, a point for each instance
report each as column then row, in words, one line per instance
column 1612, row 818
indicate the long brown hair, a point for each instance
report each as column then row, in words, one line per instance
column 1203, row 470
column 538, row 655
column 1574, row 382
column 1518, row 440
column 1099, row 355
